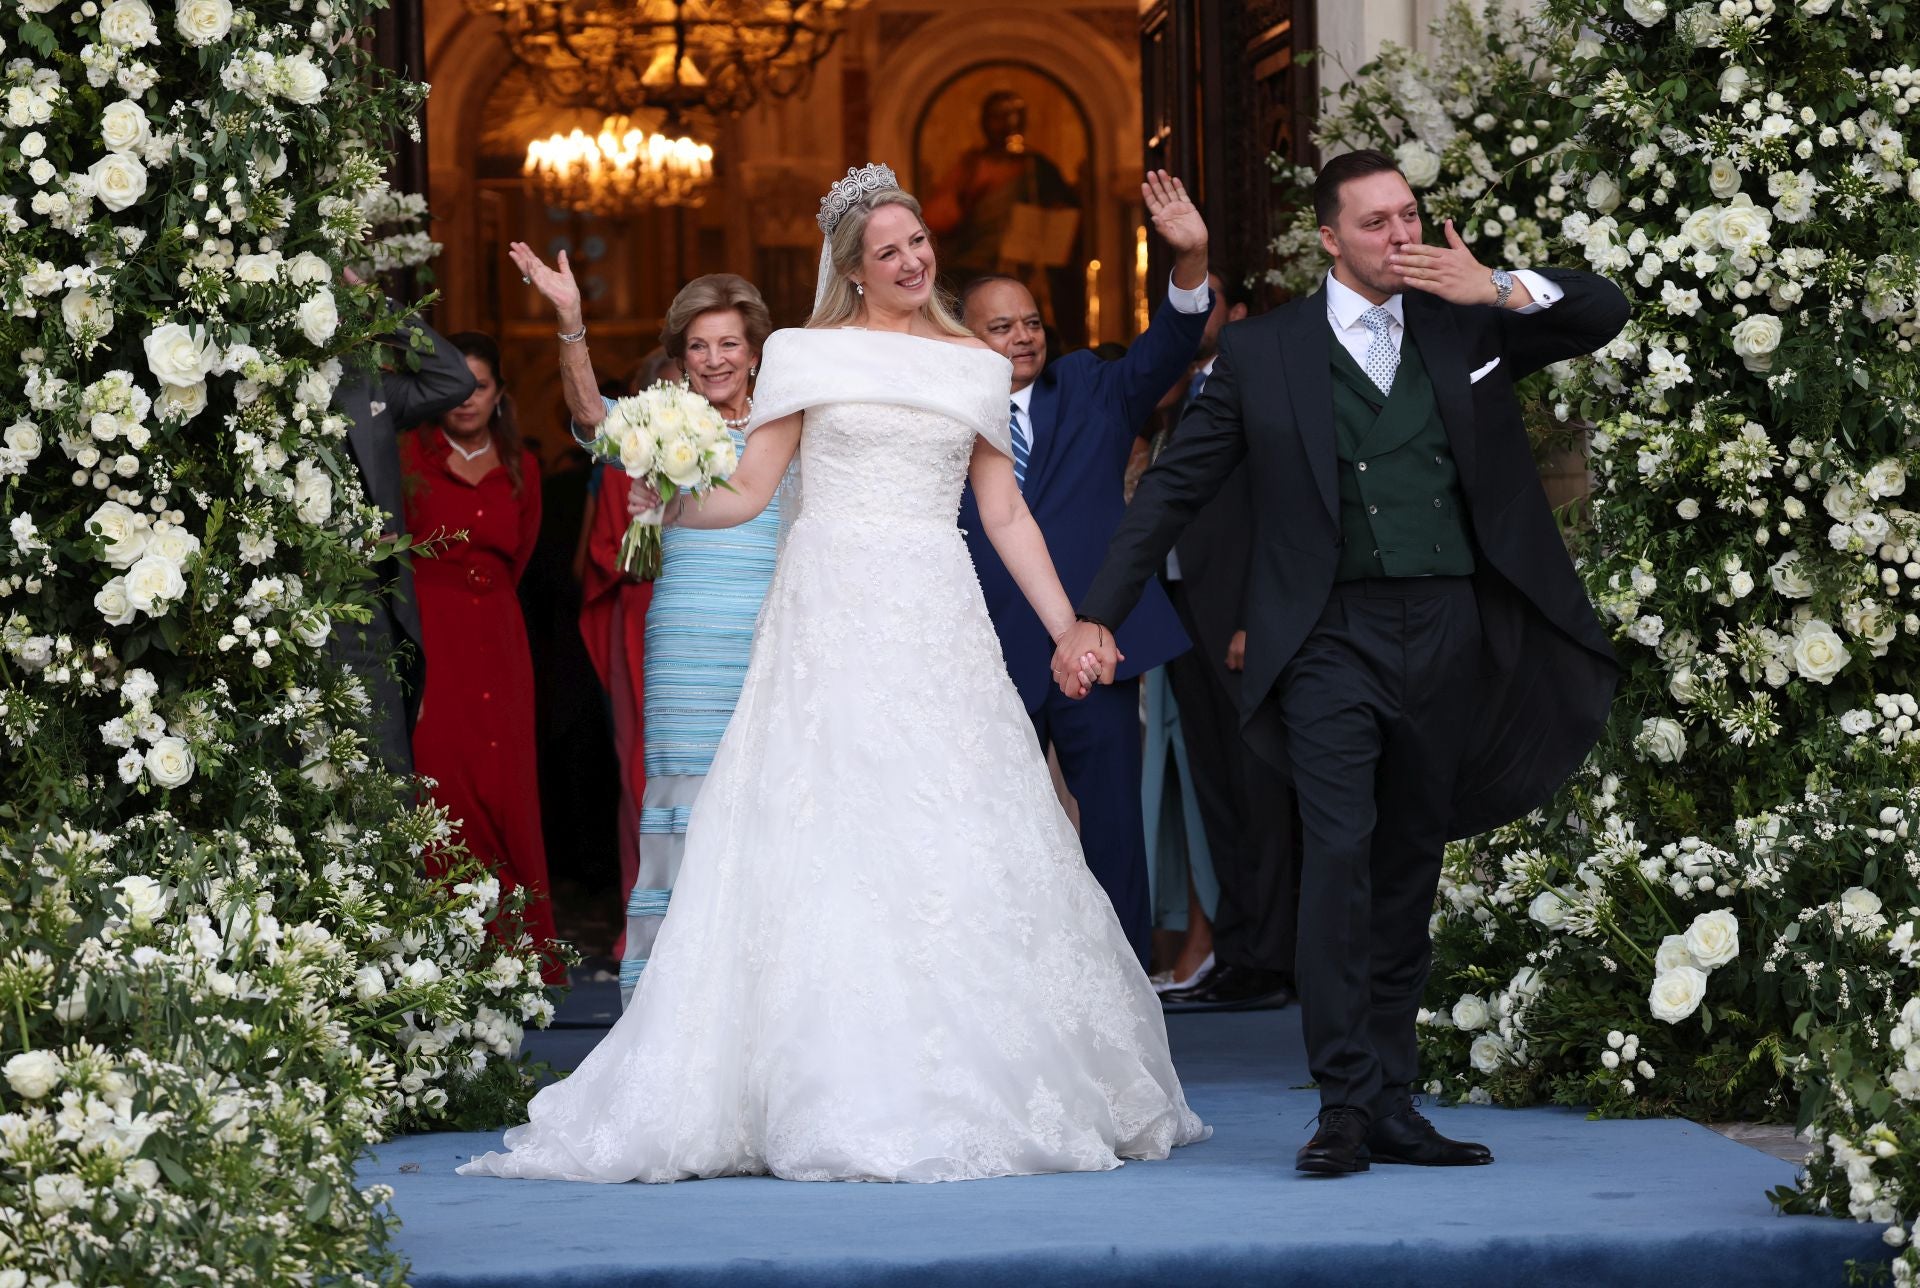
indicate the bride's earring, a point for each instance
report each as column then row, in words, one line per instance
column 859, row 289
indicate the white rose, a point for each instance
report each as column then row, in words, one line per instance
column 1843, row 502
column 23, row 439
column 80, row 308
column 1755, row 338
column 143, row 899
column 1818, row 653
column 1688, row 509
column 178, row 355
column 300, row 80
column 1733, row 84
column 1885, row 479
column 1684, row 686
column 1470, row 1012
column 312, row 493
column 154, row 582
column 173, row 543
column 1488, row 1053
column 1742, row 227
column 1701, row 228
column 123, row 126
column 1419, row 163
column 1787, row 579
column 1860, row 903
column 1815, row 7
column 1677, row 993
column 257, row 268
column 128, row 23
column 32, row 1074
column 1723, row 177
column 1741, row 584
column 307, row 268
column 118, row 179
column 1603, row 194
column 312, row 628
column 1673, row 955
column 112, row 603
column 421, row 972
column 170, row 762
column 201, row 22
column 319, row 318
column 368, row 983
column 1713, row 939
column 680, row 462
column 271, row 165
column 1648, row 13
column 182, row 402
column 1662, row 740
column 1548, row 909
column 122, row 530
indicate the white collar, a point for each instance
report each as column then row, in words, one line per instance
column 1207, row 370
column 1023, row 399
column 1345, row 305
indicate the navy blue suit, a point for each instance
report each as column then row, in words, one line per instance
column 1084, row 415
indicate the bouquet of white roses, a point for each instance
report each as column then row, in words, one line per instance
column 673, row 439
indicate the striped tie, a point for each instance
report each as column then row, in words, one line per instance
column 1020, row 445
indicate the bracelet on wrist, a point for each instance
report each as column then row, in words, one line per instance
column 573, row 337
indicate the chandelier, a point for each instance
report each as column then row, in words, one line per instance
column 718, row 56
column 619, row 172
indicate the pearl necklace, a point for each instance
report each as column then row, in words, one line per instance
column 464, row 453
column 742, row 422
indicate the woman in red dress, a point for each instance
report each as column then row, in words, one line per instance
column 473, row 498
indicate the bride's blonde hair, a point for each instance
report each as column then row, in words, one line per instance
column 846, row 243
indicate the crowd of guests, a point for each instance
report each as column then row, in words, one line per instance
column 1190, row 834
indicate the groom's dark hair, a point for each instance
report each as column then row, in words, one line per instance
column 1341, row 171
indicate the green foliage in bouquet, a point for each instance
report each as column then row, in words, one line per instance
column 224, row 968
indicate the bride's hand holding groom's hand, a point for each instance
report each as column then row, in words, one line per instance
column 1083, row 656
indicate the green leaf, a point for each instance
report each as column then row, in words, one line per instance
column 319, row 1199
column 177, row 1174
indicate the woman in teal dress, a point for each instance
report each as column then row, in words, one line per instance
column 700, row 622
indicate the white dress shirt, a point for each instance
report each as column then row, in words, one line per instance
column 1197, row 300
column 1345, row 306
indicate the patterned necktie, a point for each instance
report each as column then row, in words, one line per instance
column 1382, row 357
column 1021, row 447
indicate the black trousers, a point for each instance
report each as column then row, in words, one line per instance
column 1246, row 810
column 1375, row 704
column 1098, row 741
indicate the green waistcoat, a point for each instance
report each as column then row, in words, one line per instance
column 1402, row 513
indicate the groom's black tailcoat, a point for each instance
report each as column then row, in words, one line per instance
column 1535, row 674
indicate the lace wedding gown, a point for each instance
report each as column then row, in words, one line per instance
column 885, row 958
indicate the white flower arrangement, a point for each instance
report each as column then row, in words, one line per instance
column 1732, row 874
column 677, row 442
column 227, row 963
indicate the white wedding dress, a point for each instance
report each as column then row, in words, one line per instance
column 885, row 958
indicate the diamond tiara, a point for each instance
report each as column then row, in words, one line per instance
column 858, row 183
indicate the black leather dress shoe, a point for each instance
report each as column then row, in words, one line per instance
column 1407, row 1137
column 1339, row 1146
column 1230, row 988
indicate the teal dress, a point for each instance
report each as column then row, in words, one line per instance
column 699, row 635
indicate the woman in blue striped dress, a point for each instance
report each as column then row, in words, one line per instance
column 700, row 623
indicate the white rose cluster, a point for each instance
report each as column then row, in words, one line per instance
column 1685, row 961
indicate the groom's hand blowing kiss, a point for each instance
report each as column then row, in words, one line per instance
column 1389, row 258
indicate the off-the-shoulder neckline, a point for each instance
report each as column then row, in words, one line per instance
column 905, row 335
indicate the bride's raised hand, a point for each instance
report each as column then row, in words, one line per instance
column 556, row 284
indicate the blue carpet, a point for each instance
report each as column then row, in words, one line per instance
column 1597, row 1204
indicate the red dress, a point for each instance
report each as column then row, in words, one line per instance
column 474, row 737
column 613, row 623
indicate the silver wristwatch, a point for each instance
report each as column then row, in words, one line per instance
column 1502, row 287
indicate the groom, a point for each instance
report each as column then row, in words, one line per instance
column 1420, row 654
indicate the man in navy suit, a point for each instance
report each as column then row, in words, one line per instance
column 1074, row 424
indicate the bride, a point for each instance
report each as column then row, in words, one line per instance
column 886, row 959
